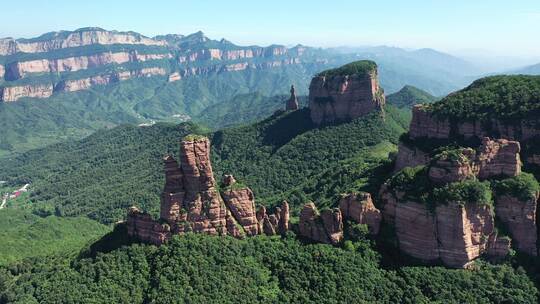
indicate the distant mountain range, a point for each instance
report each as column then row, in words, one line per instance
column 69, row 84
column 529, row 70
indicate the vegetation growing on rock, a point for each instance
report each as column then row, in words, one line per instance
column 508, row 98
column 362, row 67
column 524, row 186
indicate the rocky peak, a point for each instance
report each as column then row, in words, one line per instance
column 359, row 207
column 190, row 202
column 292, row 102
column 345, row 93
column 326, row 227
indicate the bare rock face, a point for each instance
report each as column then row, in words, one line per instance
column 10, row 94
column 416, row 231
column 2, row 71
column 360, row 208
column 499, row 248
column 21, row 69
column 498, row 158
column 452, row 168
column 174, row 77
column 277, row 223
column 77, row 38
column 426, row 125
column 326, row 227
column 463, row 232
column 190, row 202
column 241, row 204
column 494, row 158
column 410, row 157
column 454, row 233
column 292, row 103
column 142, row 226
column 195, row 164
column 423, row 124
column 520, row 219
column 343, row 96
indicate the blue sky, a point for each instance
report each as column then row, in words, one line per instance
column 501, row 27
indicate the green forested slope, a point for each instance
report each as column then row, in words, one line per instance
column 408, row 96
column 205, row 269
column 102, row 175
column 23, row 234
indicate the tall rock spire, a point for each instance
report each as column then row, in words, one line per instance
column 292, row 103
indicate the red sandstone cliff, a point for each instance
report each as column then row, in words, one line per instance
column 326, row 227
column 494, row 158
column 82, row 37
column 190, row 202
column 10, row 94
column 520, row 219
column 292, row 102
column 458, row 232
column 359, row 207
column 426, row 125
column 344, row 97
column 22, row 69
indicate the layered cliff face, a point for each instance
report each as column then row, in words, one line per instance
column 82, row 37
column 345, row 93
column 191, row 202
column 426, row 124
column 359, row 208
column 326, row 227
column 520, row 219
column 447, row 217
column 493, row 158
column 22, row 69
column 89, row 57
column 11, row 94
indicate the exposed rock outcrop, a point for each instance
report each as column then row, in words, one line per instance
column 10, row 94
column 498, row 158
column 452, row 168
column 326, row 227
column 360, row 208
column 520, row 219
column 78, row 38
column 13, row 93
column 425, row 124
column 2, row 71
column 292, row 102
column 190, row 202
column 344, row 94
column 410, row 157
column 21, row 69
column 455, row 233
column 494, row 158
column 277, row 223
column 174, row 77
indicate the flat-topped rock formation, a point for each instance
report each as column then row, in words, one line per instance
column 191, row 202
column 345, row 93
column 444, row 212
